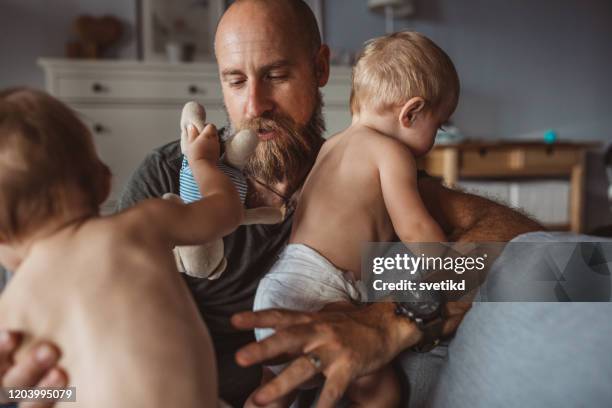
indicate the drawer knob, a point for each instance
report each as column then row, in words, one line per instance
column 194, row 89
column 98, row 128
column 97, row 87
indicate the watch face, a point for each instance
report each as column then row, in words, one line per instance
column 422, row 296
column 422, row 304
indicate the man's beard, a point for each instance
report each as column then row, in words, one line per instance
column 289, row 156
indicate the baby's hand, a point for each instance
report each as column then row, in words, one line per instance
column 203, row 146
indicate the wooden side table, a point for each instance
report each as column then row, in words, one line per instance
column 513, row 160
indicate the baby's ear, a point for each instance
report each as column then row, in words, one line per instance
column 410, row 111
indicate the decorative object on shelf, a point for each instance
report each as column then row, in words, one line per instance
column 550, row 136
column 178, row 30
column 178, row 52
column 393, row 9
column 448, row 133
column 95, row 35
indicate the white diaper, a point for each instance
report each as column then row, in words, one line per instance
column 304, row 280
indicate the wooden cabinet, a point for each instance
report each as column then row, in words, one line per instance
column 514, row 160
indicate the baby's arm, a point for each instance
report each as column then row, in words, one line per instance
column 398, row 179
column 220, row 210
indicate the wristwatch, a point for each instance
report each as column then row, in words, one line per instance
column 428, row 316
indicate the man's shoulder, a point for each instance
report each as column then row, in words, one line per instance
column 169, row 154
column 156, row 175
column 161, row 161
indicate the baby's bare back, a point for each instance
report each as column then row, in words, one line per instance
column 108, row 294
column 341, row 205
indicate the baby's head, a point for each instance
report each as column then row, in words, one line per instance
column 407, row 79
column 49, row 168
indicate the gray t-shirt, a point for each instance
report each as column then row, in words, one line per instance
column 250, row 252
column 4, row 277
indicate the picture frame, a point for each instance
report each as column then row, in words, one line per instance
column 178, row 30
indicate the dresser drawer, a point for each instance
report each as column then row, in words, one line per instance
column 550, row 157
column 111, row 88
column 484, row 161
column 518, row 161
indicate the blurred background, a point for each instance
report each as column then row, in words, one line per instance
column 531, row 130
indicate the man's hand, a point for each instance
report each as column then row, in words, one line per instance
column 349, row 344
column 37, row 368
column 203, row 146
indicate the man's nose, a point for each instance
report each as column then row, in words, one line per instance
column 259, row 101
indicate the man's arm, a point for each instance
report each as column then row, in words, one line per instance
column 348, row 343
column 470, row 218
column 157, row 175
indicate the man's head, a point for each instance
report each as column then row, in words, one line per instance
column 271, row 64
column 408, row 74
column 48, row 163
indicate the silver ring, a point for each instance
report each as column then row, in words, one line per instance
column 315, row 360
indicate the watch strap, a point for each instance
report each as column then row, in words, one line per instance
column 431, row 327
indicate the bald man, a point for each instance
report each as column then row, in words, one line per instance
column 271, row 66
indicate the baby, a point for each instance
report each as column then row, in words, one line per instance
column 363, row 187
column 104, row 289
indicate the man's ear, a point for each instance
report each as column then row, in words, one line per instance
column 410, row 111
column 322, row 65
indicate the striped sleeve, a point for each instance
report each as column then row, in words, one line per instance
column 189, row 190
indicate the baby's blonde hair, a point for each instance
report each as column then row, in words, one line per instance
column 399, row 66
